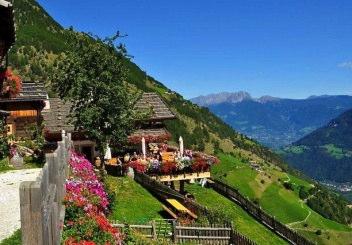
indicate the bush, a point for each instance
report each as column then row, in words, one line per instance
column 288, row 185
column 303, row 193
column 4, row 165
column 4, row 147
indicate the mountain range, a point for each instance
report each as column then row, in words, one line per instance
column 275, row 122
column 326, row 153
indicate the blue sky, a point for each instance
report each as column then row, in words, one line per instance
column 281, row 48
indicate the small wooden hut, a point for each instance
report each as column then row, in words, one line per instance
column 25, row 109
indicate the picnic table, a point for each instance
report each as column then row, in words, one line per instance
column 175, row 209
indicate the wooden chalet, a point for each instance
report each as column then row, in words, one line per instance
column 153, row 128
column 25, row 109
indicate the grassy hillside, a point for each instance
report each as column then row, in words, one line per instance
column 242, row 221
column 41, row 39
column 279, row 194
column 126, row 202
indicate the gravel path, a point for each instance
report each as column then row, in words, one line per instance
column 10, row 200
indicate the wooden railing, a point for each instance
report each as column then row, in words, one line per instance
column 259, row 214
column 42, row 210
column 198, row 234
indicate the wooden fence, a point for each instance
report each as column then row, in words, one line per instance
column 179, row 234
column 162, row 191
column 267, row 220
column 42, row 210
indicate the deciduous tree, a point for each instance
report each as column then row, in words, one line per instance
column 92, row 76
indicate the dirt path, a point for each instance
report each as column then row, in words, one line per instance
column 10, row 200
column 301, row 221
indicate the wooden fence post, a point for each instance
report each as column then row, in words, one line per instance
column 31, row 215
column 174, row 231
column 154, row 230
column 41, row 200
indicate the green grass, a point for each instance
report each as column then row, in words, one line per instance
column 243, row 222
column 4, row 165
column 334, row 151
column 15, row 239
column 273, row 200
column 297, row 149
column 276, row 200
column 133, row 204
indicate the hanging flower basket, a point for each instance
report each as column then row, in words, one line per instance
column 11, row 84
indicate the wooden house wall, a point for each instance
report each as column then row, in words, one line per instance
column 24, row 117
column 22, row 126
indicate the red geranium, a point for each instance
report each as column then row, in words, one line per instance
column 200, row 165
column 11, row 83
column 168, row 167
column 138, row 166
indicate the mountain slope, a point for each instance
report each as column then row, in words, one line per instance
column 272, row 121
column 325, row 154
column 34, row 57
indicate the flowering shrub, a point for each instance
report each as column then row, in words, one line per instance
column 11, row 84
column 86, row 204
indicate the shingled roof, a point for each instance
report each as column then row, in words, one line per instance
column 57, row 117
column 31, row 91
column 160, row 111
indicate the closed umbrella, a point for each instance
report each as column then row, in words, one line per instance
column 181, row 145
column 143, row 148
column 107, row 153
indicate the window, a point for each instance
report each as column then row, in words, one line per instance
column 10, row 129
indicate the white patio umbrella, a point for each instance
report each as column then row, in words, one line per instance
column 180, row 140
column 107, row 153
column 143, row 148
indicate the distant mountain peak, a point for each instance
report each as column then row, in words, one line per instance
column 267, row 98
column 223, row 97
column 319, row 96
column 231, row 97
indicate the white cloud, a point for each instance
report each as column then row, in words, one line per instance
column 347, row 64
